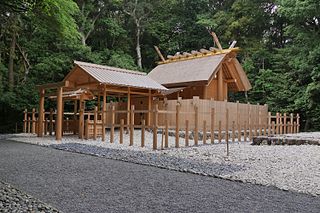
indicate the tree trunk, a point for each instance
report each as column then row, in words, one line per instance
column 83, row 39
column 138, row 48
column 11, row 60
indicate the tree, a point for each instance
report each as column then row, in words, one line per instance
column 139, row 12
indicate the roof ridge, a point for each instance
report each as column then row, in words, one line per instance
column 115, row 69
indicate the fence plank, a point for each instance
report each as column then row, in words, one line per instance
column 227, row 125
column 196, row 130
column 143, row 132
column 219, row 132
column 121, row 130
column 298, row 123
column 245, row 131
column 155, row 128
column 204, row 133
column 112, row 124
column 25, row 114
column 33, row 121
column 233, row 127
column 131, row 125
column 187, row 134
column 177, row 125
column 95, row 118
column 166, row 141
column 212, row 125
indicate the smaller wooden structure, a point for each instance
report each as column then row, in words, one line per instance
column 86, row 81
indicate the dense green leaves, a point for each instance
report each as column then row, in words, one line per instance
column 279, row 40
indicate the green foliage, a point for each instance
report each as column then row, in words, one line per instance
column 279, row 41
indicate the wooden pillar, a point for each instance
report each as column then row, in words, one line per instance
column 121, row 130
column 149, row 108
column 298, row 123
column 81, row 117
column 75, row 110
column 220, row 85
column 33, row 122
column 186, row 134
column 104, row 109
column 128, row 108
column 25, row 121
column 196, row 122
column 177, row 125
column 41, row 113
column 131, row 125
column 113, row 116
column 51, row 122
column 59, row 116
column 95, row 119
column 212, row 125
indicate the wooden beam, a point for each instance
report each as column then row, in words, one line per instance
column 159, row 53
column 41, row 113
column 55, row 85
column 59, row 114
column 216, row 40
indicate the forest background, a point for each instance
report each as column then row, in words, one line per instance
column 279, row 41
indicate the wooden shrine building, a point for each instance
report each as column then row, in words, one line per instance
column 209, row 74
column 87, row 81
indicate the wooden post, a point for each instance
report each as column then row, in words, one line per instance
column 294, row 127
column 212, row 126
column 259, row 123
column 149, row 108
column 143, row 126
column 227, row 125
column 81, row 117
column 86, row 127
column 25, row 118
column 75, row 110
column 250, row 123
column 219, row 133
column 99, row 102
column 273, row 128
column 220, row 85
column 95, row 119
column 59, row 117
column 177, row 125
column 187, row 134
column 280, row 124
column 285, row 123
column 51, row 122
column 204, row 134
column 166, row 141
column 196, row 130
column 155, row 127
column 269, row 123
column 131, row 125
column 33, row 130
column 245, row 131
column 104, row 112
column 29, row 124
column 121, row 130
column 46, row 126
column 298, row 123
column 277, row 123
column 112, row 124
column 233, row 127
column 128, row 108
column 291, row 122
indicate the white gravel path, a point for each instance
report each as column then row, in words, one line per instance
column 295, row 168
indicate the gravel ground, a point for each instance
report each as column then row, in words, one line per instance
column 294, row 168
column 82, row 183
column 14, row 200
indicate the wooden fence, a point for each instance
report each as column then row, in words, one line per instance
column 195, row 119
